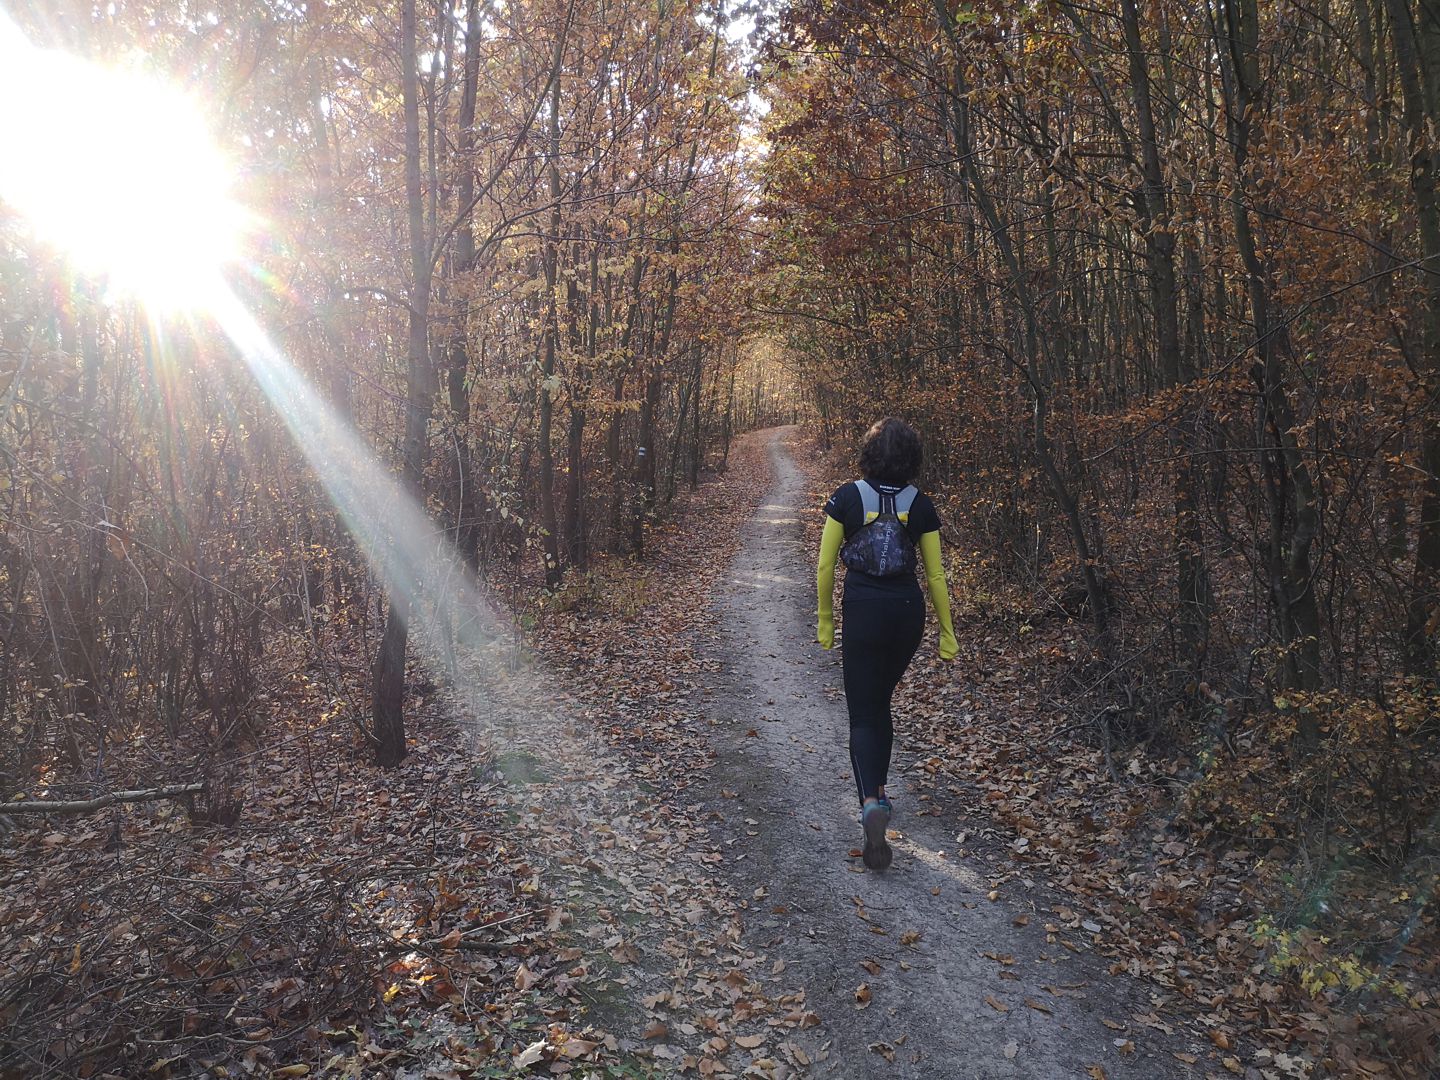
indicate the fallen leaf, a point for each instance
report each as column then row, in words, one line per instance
column 577, row 1048
column 530, row 1055
column 862, row 996
column 998, row 1006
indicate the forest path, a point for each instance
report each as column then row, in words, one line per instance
column 950, row 1003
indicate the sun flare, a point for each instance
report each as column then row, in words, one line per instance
column 117, row 170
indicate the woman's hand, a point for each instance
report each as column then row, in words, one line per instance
column 825, row 631
column 949, row 647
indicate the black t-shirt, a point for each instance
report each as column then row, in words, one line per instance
column 846, row 507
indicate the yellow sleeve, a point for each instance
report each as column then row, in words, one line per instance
column 830, row 541
column 939, row 595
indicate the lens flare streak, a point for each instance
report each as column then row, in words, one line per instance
column 396, row 536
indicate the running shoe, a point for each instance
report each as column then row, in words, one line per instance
column 875, row 819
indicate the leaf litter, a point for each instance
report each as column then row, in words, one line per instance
column 529, row 889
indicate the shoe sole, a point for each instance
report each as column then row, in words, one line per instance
column 877, row 854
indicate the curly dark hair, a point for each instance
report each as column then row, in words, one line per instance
column 890, row 452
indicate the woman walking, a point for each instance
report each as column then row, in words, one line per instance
column 875, row 526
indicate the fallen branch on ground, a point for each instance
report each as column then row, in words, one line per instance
column 85, row 806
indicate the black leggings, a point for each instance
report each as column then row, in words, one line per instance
column 880, row 638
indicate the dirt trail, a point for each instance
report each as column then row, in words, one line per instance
column 786, row 807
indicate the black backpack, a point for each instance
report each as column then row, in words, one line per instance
column 882, row 547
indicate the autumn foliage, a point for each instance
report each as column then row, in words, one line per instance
column 1156, row 281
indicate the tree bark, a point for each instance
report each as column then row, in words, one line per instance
column 1416, row 42
column 1192, row 576
column 549, row 520
column 1294, row 512
column 388, row 701
column 465, row 501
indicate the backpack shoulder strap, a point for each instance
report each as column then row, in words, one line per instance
column 906, row 499
column 869, row 498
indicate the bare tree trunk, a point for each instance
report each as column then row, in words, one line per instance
column 388, row 702
column 465, row 502
column 730, row 419
column 618, row 486
column 575, row 486
column 1416, row 40
column 1291, row 488
column 1192, row 575
column 549, row 520
column 645, row 462
column 697, row 453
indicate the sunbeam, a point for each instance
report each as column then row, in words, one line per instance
column 400, row 542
